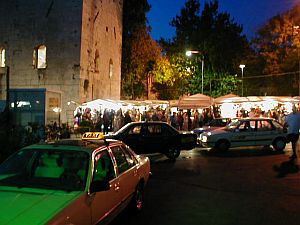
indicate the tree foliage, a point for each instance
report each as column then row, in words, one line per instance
column 134, row 22
column 277, row 49
column 209, row 31
column 143, row 56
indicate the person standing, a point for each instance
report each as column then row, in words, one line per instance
column 173, row 120
column 292, row 122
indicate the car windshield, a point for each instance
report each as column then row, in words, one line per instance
column 233, row 124
column 46, row 169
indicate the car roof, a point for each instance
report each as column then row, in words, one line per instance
column 75, row 145
column 149, row 122
column 256, row 118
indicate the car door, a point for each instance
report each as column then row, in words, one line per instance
column 133, row 137
column 244, row 134
column 127, row 172
column 265, row 132
column 155, row 138
column 105, row 203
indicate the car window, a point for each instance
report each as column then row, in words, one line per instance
column 154, row 129
column 47, row 169
column 264, row 125
column 103, row 168
column 135, row 130
column 123, row 159
column 17, row 163
column 120, row 158
column 70, row 168
column 276, row 124
column 132, row 161
column 247, row 126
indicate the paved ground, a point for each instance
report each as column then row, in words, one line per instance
column 244, row 186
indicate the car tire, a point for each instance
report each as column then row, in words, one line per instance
column 222, row 145
column 279, row 144
column 173, row 153
column 137, row 202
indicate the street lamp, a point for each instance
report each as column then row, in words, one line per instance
column 296, row 33
column 188, row 54
column 242, row 68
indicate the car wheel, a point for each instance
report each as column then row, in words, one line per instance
column 279, row 144
column 138, row 198
column 173, row 153
column 222, row 145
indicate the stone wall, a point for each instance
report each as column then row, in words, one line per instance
column 81, row 37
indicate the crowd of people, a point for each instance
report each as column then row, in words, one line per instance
column 109, row 120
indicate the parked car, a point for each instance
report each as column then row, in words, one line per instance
column 79, row 182
column 246, row 132
column 213, row 124
column 155, row 136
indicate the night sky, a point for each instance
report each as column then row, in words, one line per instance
column 249, row 13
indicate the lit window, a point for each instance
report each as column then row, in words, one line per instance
column 39, row 57
column 2, row 57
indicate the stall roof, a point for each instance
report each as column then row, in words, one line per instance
column 195, row 101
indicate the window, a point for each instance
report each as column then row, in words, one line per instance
column 264, row 125
column 123, row 159
column 39, row 57
column 154, row 129
column 247, row 126
column 97, row 61
column 104, row 169
column 135, row 130
column 110, row 68
column 2, row 57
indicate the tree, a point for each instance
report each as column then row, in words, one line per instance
column 171, row 75
column 208, row 32
column 134, row 20
column 277, row 47
column 144, row 53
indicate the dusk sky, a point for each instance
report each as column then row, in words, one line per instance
column 249, row 13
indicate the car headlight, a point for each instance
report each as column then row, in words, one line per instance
column 204, row 139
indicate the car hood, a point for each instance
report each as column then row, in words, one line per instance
column 220, row 130
column 31, row 206
column 204, row 129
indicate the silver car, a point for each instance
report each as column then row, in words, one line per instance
column 246, row 132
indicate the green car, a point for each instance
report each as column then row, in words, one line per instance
column 71, row 182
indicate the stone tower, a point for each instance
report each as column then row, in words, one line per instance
column 69, row 47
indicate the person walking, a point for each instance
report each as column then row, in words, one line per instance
column 292, row 122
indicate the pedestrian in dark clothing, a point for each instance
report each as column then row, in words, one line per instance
column 180, row 121
column 127, row 118
column 173, row 120
column 292, row 122
column 106, row 121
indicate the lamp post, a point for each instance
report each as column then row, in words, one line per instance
column 242, row 68
column 188, row 54
column 296, row 33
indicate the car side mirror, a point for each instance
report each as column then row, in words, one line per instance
column 99, row 185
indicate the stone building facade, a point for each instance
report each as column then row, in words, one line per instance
column 69, row 47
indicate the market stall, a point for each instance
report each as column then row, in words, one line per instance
column 196, row 101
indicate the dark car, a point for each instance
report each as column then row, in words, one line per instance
column 154, row 136
column 213, row 124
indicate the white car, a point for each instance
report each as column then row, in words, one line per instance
column 246, row 132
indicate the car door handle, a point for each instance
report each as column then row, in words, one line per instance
column 117, row 187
